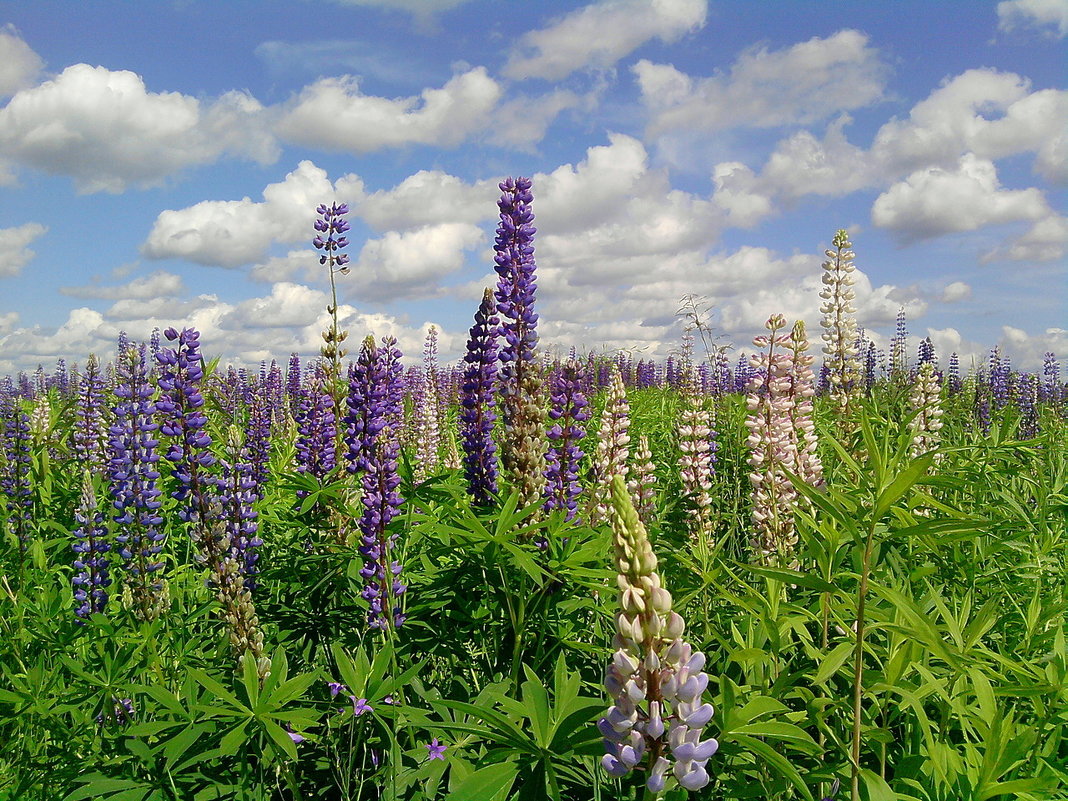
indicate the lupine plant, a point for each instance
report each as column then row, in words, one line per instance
column 477, row 414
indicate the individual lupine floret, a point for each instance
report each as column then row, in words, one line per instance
column 925, row 401
column 15, row 472
column 695, row 463
column 91, row 577
column 90, row 430
column 802, row 390
column 520, row 385
column 772, row 449
column 613, row 448
column 655, row 678
column 381, row 572
column 133, row 475
column 642, row 483
column 569, row 411
column 477, row 414
column 839, row 321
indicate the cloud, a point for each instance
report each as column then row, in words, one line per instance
column 159, row 284
column 600, row 34
column 1046, row 240
column 19, row 65
column 230, row 233
column 1048, row 16
column 955, row 292
column 934, row 201
column 14, row 247
column 428, row 197
column 801, row 84
column 411, row 263
column 1026, row 349
column 992, row 114
column 333, row 114
column 523, row 121
column 105, row 130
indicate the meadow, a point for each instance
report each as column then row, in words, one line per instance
column 526, row 576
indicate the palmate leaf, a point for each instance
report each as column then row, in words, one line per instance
column 490, row 783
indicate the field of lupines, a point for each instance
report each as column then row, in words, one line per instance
column 523, row 577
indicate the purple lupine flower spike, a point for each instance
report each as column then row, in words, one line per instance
column 381, row 370
column 477, row 415
column 569, row 410
column 15, row 465
column 91, row 578
column 133, row 475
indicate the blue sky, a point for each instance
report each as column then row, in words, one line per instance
column 160, row 164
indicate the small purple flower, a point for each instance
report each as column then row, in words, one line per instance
column 436, row 750
column 337, row 687
column 296, row 738
column 360, row 706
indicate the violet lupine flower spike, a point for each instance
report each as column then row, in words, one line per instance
column 133, row 475
column 477, row 414
column 91, row 578
column 15, row 466
column 332, row 223
column 380, row 480
column 316, row 426
column 655, row 678
column 523, row 448
column 90, row 433
column 569, row 410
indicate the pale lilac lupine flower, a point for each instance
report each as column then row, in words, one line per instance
column 655, row 678
column 772, row 450
column 613, row 448
column 695, row 464
column 925, row 401
column 839, row 321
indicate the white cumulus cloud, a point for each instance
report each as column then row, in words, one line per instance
column 334, row 114
column 600, row 34
column 14, row 247
column 935, row 201
column 230, row 233
column 19, row 64
column 804, row 83
column 411, row 263
column 106, row 130
column 160, row 284
column 1049, row 16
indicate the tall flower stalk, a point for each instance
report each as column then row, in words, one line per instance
column 840, row 322
column 133, row 474
column 695, row 444
column 655, row 678
column 802, row 390
column 332, row 223
column 772, row 450
column 520, row 386
column 925, row 402
column 477, row 414
column 91, row 577
column 569, row 411
column 613, row 448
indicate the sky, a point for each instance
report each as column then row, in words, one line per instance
column 161, row 162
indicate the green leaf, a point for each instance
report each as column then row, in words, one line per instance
column 791, row 577
column 485, row 784
column 281, row 737
column 878, row 789
column 901, row 484
column 833, row 661
column 775, row 760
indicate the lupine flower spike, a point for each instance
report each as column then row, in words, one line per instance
column 655, row 678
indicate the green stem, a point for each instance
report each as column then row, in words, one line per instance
column 858, row 660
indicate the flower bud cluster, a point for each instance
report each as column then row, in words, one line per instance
column 772, row 444
column 655, row 678
column 477, row 414
column 613, row 448
column 569, row 411
column 925, row 400
column 839, row 320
